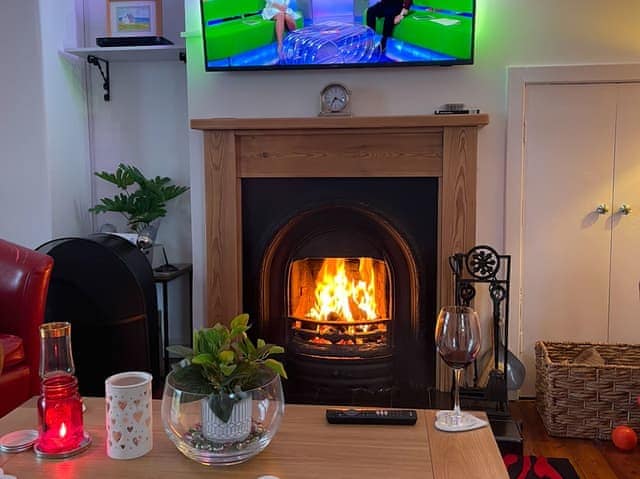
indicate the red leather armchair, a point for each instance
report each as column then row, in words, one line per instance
column 24, row 281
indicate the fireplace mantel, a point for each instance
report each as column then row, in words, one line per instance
column 342, row 122
column 442, row 146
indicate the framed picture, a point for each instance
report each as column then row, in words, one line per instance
column 129, row 18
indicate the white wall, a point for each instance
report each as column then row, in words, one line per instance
column 25, row 196
column 44, row 188
column 509, row 32
column 66, row 136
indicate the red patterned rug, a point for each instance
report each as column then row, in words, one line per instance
column 536, row 467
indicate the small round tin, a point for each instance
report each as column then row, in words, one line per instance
column 18, row 441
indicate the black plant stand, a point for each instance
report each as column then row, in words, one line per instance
column 483, row 265
column 163, row 275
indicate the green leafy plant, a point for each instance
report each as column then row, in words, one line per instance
column 143, row 205
column 224, row 363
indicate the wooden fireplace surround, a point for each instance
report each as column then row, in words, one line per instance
column 442, row 146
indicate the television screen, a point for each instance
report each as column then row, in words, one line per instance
column 282, row 34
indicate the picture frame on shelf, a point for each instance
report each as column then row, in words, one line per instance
column 133, row 18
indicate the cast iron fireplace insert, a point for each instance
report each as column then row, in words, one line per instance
column 342, row 272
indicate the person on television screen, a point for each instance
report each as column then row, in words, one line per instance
column 393, row 12
column 283, row 15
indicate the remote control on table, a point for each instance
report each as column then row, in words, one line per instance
column 396, row 417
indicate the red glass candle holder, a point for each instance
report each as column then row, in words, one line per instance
column 60, row 424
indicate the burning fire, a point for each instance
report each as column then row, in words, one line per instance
column 342, row 295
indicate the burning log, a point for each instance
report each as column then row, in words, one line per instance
column 340, row 332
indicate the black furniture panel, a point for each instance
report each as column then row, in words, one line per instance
column 103, row 285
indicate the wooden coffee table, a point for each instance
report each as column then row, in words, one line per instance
column 305, row 447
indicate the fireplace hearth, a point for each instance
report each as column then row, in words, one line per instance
column 309, row 220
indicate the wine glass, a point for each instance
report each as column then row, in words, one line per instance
column 458, row 343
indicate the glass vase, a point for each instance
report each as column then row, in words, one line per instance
column 201, row 436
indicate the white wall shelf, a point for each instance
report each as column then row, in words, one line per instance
column 131, row 54
column 102, row 56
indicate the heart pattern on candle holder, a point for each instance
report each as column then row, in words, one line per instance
column 128, row 419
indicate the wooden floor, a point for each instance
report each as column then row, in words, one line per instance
column 592, row 459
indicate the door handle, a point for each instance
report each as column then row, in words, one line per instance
column 602, row 209
column 625, row 209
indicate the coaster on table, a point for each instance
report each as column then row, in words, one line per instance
column 469, row 423
column 18, row 441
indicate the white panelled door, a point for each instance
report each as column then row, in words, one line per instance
column 624, row 309
column 568, row 169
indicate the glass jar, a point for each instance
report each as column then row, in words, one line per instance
column 60, row 423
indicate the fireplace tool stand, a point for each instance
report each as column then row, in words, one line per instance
column 483, row 265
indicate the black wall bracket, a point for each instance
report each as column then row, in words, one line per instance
column 94, row 60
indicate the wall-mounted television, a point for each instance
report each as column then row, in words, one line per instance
column 293, row 34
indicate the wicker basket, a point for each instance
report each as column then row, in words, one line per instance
column 587, row 401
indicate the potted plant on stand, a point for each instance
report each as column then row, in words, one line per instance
column 223, row 402
column 142, row 201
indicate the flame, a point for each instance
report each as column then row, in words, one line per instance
column 341, row 297
column 63, row 430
